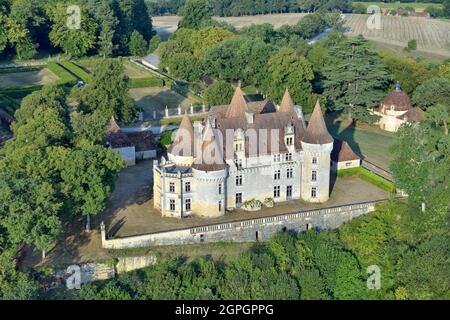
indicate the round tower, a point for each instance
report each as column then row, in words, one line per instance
column 209, row 173
column 317, row 145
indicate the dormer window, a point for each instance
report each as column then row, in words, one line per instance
column 289, row 141
column 238, row 147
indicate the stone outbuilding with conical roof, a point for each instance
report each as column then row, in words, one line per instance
column 243, row 155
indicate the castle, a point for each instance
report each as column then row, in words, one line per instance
column 244, row 151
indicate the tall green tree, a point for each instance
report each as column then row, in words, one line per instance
column 432, row 92
column 88, row 177
column 196, row 14
column 108, row 93
column 73, row 41
column 356, row 79
column 219, row 93
column 288, row 69
column 138, row 46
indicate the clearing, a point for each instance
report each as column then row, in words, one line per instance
column 28, row 78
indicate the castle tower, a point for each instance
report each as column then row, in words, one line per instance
column 181, row 151
column 209, row 173
column 317, row 145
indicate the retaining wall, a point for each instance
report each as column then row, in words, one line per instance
column 245, row 230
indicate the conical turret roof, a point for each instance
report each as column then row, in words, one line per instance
column 211, row 157
column 287, row 105
column 238, row 105
column 317, row 132
column 185, row 131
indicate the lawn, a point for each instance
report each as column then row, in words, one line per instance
column 28, row 78
column 157, row 98
column 366, row 140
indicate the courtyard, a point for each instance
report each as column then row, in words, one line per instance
column 130, row 209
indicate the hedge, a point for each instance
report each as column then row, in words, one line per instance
column 146, row 82
column 21, row 69
column 65, row 77
column 77, row 71
column 368, row 176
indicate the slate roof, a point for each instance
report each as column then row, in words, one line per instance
column 185, row 131
column 287, row 105
column 343, row 152
column 317, row 132
column 414, row 115
column 397, row 98
column 142, row 141
column 116, row 138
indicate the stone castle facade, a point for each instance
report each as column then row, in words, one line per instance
column 244, row 151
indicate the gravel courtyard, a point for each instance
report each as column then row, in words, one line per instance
column 130, row 210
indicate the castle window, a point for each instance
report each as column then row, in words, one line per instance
column 238, row 147
column 220, row 205
column 288, row 156
column 187, row 187
column 172, row 204
column 289, row 141
column 188, row 204
column 239, row 180
column 314, row 160
column 289, row 173
column 238, row 163
column 171, row 187
column 276, row 191
column 276, row 158
column 220, row 188
column 314, row 175
column 313, row 192
column 277, row 175
column 238, row 199
column 288, row 192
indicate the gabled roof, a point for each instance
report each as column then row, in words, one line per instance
column 238, row 105
column 116, row 138
column 287, row 105
column 317, row 132
column 143, row 141
column 343, row 152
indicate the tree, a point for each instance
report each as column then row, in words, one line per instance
column 289, row 70
column 132, row 15
column 356, row 79
column 409, row 72
column 88, row 177
column 185, row 66
column 138, row 45
column 219, row 93
column 154, row 43
column 444, row 71
column 108, row 93
column 29, row 211
column 74, row 42
column 412, row 45
column 432, row 92
column 206, row 38
column 422, row 163
column 15, row 285
column 20, row 38
column 107, row 21
column 240, row 58
column 196, row 14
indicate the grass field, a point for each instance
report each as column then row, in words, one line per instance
column 131, row 70
column 29, row 78
column 157, row 98
column 432, row 35
column 366, row 140
column 415, row 5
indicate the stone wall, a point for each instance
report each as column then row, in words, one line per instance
column 245, row 230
